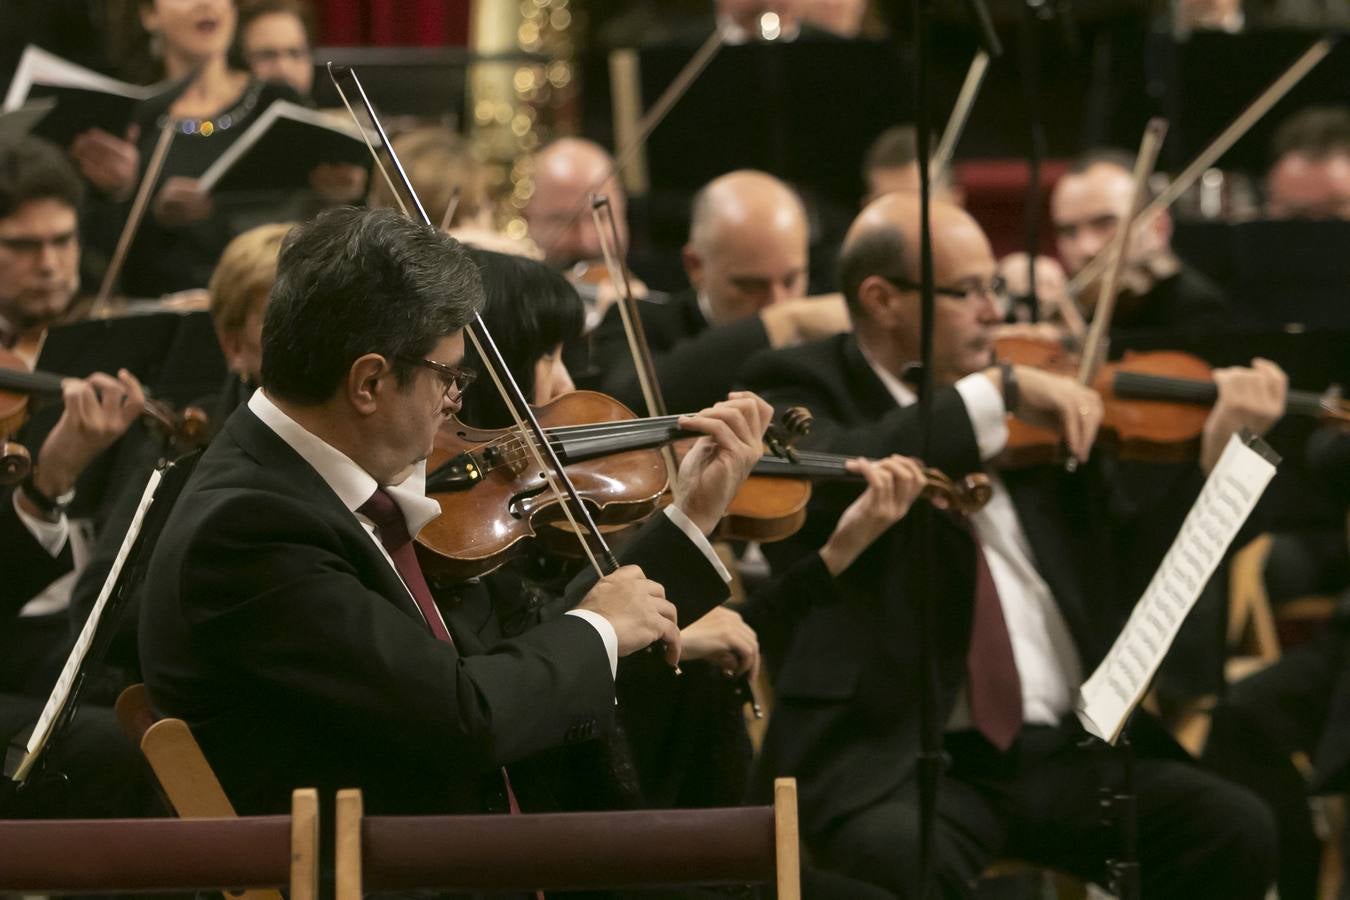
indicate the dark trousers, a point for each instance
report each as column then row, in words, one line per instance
column 1199, row 835
column 103, row 774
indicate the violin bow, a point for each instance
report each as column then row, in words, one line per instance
column 153, row 168
column 1244, row 122
column 956, row 122
column 598, row 553
column 608, row 231
column 1094, row 348
column 679, row 85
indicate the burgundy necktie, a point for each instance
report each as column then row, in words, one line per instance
column 392, row 529
column 393, row 532
column 993, row 686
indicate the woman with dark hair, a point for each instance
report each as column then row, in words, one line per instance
column 531, row 311
column 686, row 737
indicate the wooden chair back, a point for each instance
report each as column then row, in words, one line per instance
column 570, row 851
column 134, row 856
column 180, row 767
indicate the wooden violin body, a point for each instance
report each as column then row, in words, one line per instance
column 493, row 497
column 1154, row 404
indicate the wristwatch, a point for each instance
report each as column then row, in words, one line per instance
column 1009, row 377
column 50, row 508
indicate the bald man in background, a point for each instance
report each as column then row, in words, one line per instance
column 558, row 213
column 746, row 261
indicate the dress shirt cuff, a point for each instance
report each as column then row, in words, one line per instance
column 696, row 537
column 988, row 418
column 51, row 536
column 607, row 634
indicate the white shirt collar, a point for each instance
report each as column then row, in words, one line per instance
column 352, row 484
column 902, row 393
column 704, row 306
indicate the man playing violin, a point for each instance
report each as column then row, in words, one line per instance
column 1160, row 291
column 40, row 198
column 287, row 568
column 747, row 263
column 558, row 213
column 1032, row 588
column 1310, row 175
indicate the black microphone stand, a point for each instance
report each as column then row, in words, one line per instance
column 1032, row 11
column 929, row 762
column 930, row 758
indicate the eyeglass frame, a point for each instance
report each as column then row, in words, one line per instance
column 996, row 289
column 453, row 378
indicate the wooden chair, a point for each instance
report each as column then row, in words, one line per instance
column 180, row 767
column 572, row 851
column 135, row 856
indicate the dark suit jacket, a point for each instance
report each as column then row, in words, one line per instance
column 28, row 567
column 695, row 362
column 845, row 721
column 272, row 624
column 1186, row 302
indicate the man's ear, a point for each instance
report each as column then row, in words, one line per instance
column 366, row 380
column 149, row 17
column 693, row 266
column 879, row 301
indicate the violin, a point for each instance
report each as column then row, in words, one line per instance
column 613, row 460
column 187, row 430
column 1154, row 403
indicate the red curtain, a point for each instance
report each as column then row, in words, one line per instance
column 393, row 23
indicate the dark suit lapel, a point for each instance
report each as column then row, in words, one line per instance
column 869, row 396
column 691, row 319
column 272, row 453
column 1055, row 552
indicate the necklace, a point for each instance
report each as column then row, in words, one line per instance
column 223, row 122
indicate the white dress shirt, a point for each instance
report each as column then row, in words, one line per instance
column 51, row 536
column 1047, row 661
column 354, row 486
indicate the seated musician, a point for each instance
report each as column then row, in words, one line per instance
column 1310, row 175
column 746, row 260
column 1029, row 594
column 1160, row 291
column 40, row 206
column 558, row 214
column 39, row 274
column 285, row 616
column 532, row 311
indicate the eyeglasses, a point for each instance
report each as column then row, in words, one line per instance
column 273, row 55
column 996, row 289
column 455, row 379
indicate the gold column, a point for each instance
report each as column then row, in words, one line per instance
column 517, row 106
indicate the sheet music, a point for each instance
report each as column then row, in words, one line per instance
column 1109, row 696
column 60, row 695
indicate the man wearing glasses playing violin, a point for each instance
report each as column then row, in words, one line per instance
column 287, row 567
column 1030, row 590
column 40, row 197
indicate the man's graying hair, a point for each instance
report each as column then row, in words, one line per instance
column 358, row 281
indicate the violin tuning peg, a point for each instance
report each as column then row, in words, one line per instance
column 796, row 421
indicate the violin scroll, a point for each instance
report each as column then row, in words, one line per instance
column 794, row 423
column 967, row 496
